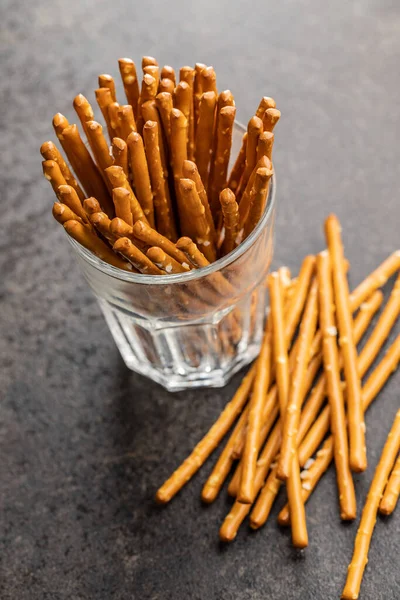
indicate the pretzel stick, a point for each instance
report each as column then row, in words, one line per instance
column 120, row 154
column 148, row 61
column 165, row 262
column 151, row 237
column 375, row 280
column 247, row 197
column 190, row 172
column 209, row 442
column 148, row 92
column 219, row 165
column 183, row 101
column 371, row 389
column 347, row 499
column 120, row 228
column 83, row 110
column 118, row 179
column 89, row 240
column 59, row 124
column 69, row 197
column 392, row 491
column 165, row 106
column 150, row 113
column 91, row 206
column 141, row 177
column 52, row 173
column 84, row 167
column 127, row 122
column 186, row 74
column 368, row 517
column 129, row 78
column 270, row 119
column 239, row 166
column 224, row 100
column 166, row 86
column 193, row 220
column 254, row 129
column 62, row 213
column 162, row 200
column 154, row 71
column 358, row 457
column 114, row 118
column 265, row 145
column 197, row 90
column 168, row 72
column 104, row 99
column 209, row 80
column 49, row 151
column 102, row 223
column 204, row 132
column 106, row 81
column 122, row 205
column 265, row 103
column 231, row 220
column 259, row 195
column 178, row 146
column 140, row 261
column 99, row 146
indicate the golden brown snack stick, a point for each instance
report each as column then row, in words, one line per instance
column 298, row 300
column 99, row 146
column 230, row 212
column 119, row 151
column 123, row 195
column 106, row 81
column 347, row 499
column 178, row 146
column 91, row 206
column 85, row 168
column 59, row 124
column 293, row 407
column 270, row 119
column 224, row 99
column 239, row 166
column 265, row 145
column 368, row 517
column 254, row 129
column 49, row 151
column 165, row 262
column 101, row 222
column 151, row 113
column 162, row 201
column 148, row 90
column 190, row 171
column 104, row 99
column 209, row 80
column 151, row 237
column 371, row 389
column 375, row 280
column 259, row 195
column 204, row 133
column 148, row 61
column 141, row 177
column 122, row 205
column 89, row 240
column 166, row 86
column 118, row 179
column 186, row 74
column 114, row 119
column 62, row 213
column 168, row 72
column 197, row 91
column 127, row 122
column 127, row 69
column 209, row 442
column 183, row 101
column 358, row 456
column 165, row 106
column 219, row 166
column 140, row 261
column 246, row 199
column 154, row 71
column 265, row 103
column 120, row 228
column 257, row 400
column 52, row 173
column 193, row 221
column 84, row 110
column 392, row 491
column 68, row 196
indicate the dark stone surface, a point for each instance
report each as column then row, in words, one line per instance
column 83, row 442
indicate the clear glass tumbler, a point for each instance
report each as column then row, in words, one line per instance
column 193, row 329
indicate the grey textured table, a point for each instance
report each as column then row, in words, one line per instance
column 84, row 442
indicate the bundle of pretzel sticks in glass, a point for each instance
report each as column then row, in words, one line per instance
column 163, row 191
column 302, row 403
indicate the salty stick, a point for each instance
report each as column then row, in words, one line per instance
column 193, row 221
column 106, row 81
column 265, row 145
column 148, row 91
column 89, row 240
column 62, row 213
column 168, row 72
column 270, row 119
column 102, row 223
column 150, row 113
column 136, row 257
column 239, row 166
column 129, row 78
column 209, row 442
column 165, row 106
column 154, row 71
column 183, row 101
column 49, row 151
column 260, row 388
column 265, row 103
column 166, row 86
column 59, row 124
column 123, row 195
column 209, row 80
column 119, row 228
column 259, row 196
column 190, row 171
column 83, row 110
column 91, row 206
column 347, row 499
column 127, row 122
column 246, row 198
column 120, row 154
column 375, row 280
column 293, row 406
column 151, row 237
column 220, row 162
column 254, row 129
column 358, row 456
column 162, row 201
column 224, row 100
column 230, row 212
column 114, row 118
column 197, row 91
column 368, row 517
column 392, row 491
column 99, row 146
column 178, row 146
column 122, row 205
column 118, row 179
column 204, row 133
column 186, row 74
column 141, row 177
column 104, row 99
column 52, row 173
column 165, row 262
column 68, row 196
column 147, row 61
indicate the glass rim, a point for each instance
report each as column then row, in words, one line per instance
column 220, row 263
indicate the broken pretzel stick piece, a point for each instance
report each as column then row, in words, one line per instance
column 392, row 491
column 122, row 205
column 141, row 177
column 165, row 262
column 89, row 240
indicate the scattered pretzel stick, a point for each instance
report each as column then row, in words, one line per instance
column 151, row 237
column 118, row 179
column 265, row 103
column 254, row 129
column 165, row 262
column 89, row 240
column 120, row 154
column 258, row 201
column 368, row 517
column 104, row 99
column 219, row 170
column 141, row 177
column 106, row 81
column 375, row 280
column 127, row 122
column 230, row 212
column 140, row 261
column 204, row 132
column 49, row 151
column 265, row 145
column 130, row 81
column 52, row 173
column 358, row 458
column 68, row 196
column 238, row 167
column 99, row 146
column 392, row 491
column 193, row 219
column 83, row 110
column 270, row 118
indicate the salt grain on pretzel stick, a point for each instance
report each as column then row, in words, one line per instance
column 99, row 146
column 392, row 491
column 204, row 132
column 127, row 122
column 254, row 129
column 265, row 103
column 62, row 213
column 93, row 243
column 141, row 177
column 83, row 110
column 129, row 78
column 265, row 145
column 68, row 196
column 120, row 154
column 358, row 456
column 49, row 151
column 118, row 179
column 270, row 119
column 219, row 170
column 186, row 74
column 230, row 212
column 178, row 146
column 162, row 201
column 151, row 237
column 140, row 261
column 347, row 499
column 209, row 442
column 165, row 262
column 239, row 166
column 193, row 220
column 114, row 119
column 258, row 199
column 106, row 81
column 52, row 173
column 122, row 205
column 104, row 99
column 368, row 517
column 190, row 171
